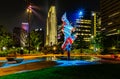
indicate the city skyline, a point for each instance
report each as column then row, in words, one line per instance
column 13, row 12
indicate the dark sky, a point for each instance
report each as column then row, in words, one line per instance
column 13, row 12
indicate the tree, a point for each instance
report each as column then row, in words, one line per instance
column 80, row 43
column 35, row 39
column 98, row 40
column 5, row 38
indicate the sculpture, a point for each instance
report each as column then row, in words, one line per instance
column 69, row 38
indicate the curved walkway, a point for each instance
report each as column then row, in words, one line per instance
column 26, row 67
column 37, row 64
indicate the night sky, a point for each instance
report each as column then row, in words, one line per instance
column 13, row 12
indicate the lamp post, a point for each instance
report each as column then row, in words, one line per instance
column 93, row 42
column 29, row 11
column 54, row 49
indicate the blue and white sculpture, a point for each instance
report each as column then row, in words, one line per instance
column 69, row 38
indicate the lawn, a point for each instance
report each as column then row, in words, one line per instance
column 99, row 71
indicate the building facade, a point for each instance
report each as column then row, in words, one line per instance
column 83, row 27
column 51, row 29
column 87, row 28
column 24, row 34
column 20, row 35
column 110, row 20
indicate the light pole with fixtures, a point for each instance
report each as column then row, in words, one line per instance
column 29, row 11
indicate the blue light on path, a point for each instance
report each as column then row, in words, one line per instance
column 75, row 62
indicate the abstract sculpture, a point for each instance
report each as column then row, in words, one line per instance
column 69, row 38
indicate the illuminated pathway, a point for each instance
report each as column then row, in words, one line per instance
column 34, row 62
column 75, row 62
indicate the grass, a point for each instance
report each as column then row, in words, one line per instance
column 101, row 71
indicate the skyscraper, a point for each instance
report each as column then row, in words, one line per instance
column 24, row 34
column 88, row 27
column 110, row 17
column 110, row 13
column 51, row 29
column 96, row 23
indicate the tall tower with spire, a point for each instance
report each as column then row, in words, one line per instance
column 51, row 26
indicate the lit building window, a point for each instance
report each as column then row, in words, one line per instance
column 116, row 13
column 110, row 23
column 111, row 34
column 103, row 28
column 112, row 30
column 82, row 34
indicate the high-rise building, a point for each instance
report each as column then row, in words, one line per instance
column 20, row 35
column 24, row 34
column 51, row 29
column 83, row 31
column 95, row 31
column 96, row 23
column 110, row 20
column 88, row 27
column 83, row 27
column 110, row 13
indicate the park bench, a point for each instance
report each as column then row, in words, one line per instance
column 14, row 60
column 2, row 63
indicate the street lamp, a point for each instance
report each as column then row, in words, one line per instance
column 81, row 13
column 29, row 11
column 54, row 49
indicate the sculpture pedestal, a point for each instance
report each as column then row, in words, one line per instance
column 68, row 53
